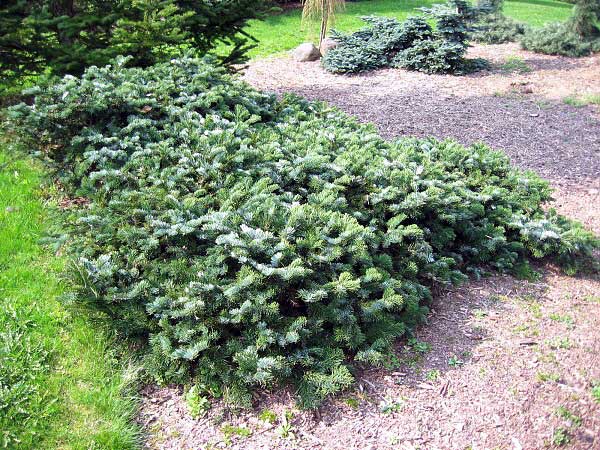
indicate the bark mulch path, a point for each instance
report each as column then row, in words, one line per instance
column 502, row 363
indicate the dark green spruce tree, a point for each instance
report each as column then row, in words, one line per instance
column 66, row 36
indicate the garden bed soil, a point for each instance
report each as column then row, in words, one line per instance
column 505, row 363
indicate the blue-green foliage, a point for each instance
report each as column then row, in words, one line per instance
column 493, row 27
column 579, row 36
column 412, row 44
column 255, row 241
column 376, row 45
column 558, row 39
column 496, row 28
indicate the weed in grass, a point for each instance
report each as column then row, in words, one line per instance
column 560, row 437
column 565, row 414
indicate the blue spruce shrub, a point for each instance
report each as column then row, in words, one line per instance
column 412, row 44
column 251, row 241
column 431, row 56
column 375, row 45
column 558, row 39
column 498, row 29
column 578, row 36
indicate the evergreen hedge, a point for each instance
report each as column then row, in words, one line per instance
column 253, row 241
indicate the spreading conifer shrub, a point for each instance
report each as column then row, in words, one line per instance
column 493, row 27
column 558, row 39
column 578, row 36
column 376, row 45
column 498, row 29
column 412, row 44
column 252, row 241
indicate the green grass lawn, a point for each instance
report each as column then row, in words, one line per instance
column 60, row 383
column 281, row 32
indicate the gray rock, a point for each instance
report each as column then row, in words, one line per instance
column 328, row 44
column 306, row 52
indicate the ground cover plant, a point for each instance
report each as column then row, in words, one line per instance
column 58, row 372
column 252, row 241
column 413, row 44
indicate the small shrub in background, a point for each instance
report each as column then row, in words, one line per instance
column 493, row 27
column 413, row 44
column 498, row 29
column 558, row 39
column 376, row 45
column 252, row 241
column 579, row 36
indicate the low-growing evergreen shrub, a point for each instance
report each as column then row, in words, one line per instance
column 253, row 241
column 579, row 36
column 558, row 39
column 431, row 56
column 376, row 45
column 498, row 29
column 413, row 44
column 493, row 27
